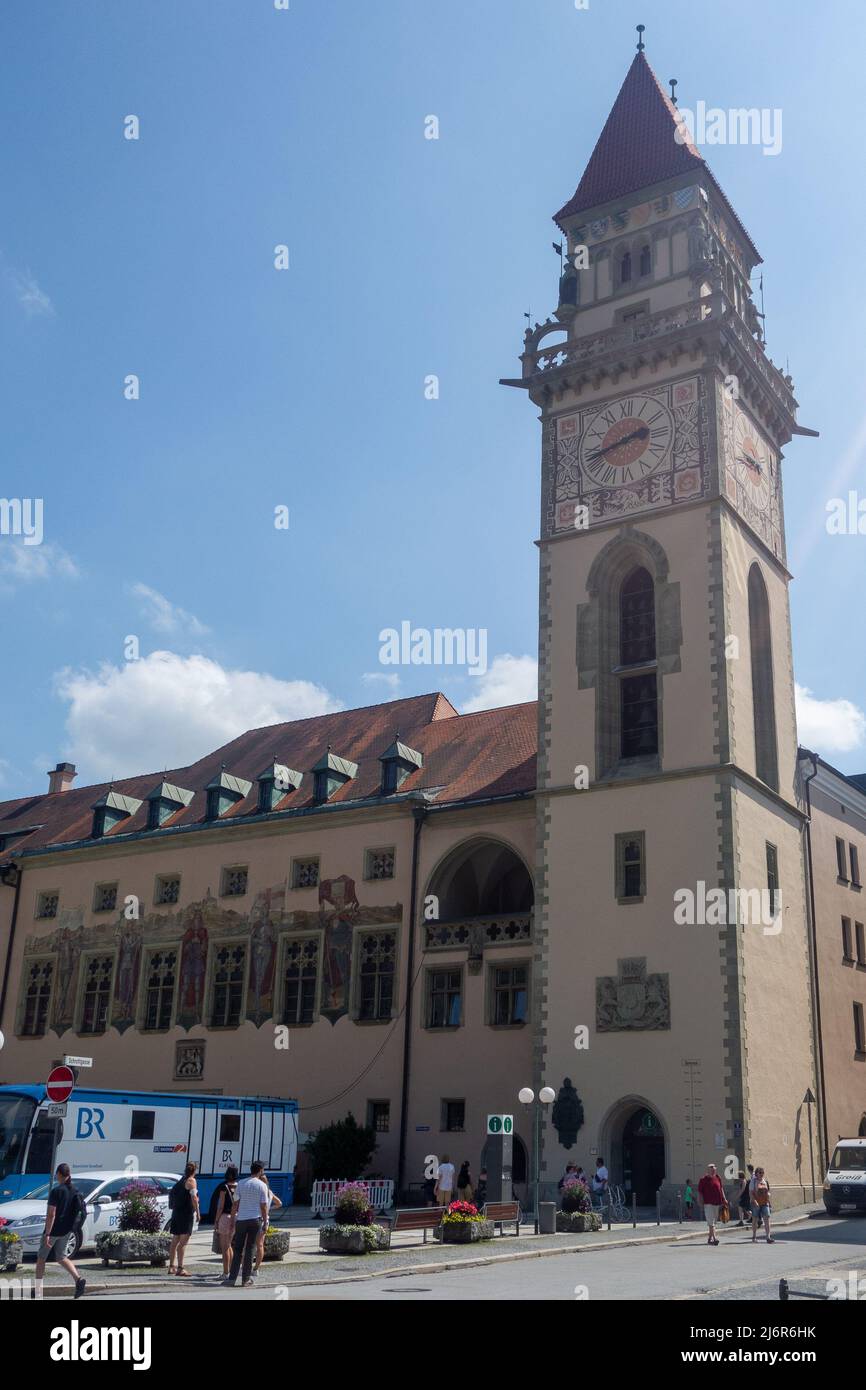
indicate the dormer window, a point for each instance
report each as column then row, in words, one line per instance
column 398, row 762
column 110, row 810
column 330, row 774
column 276, row 782
column 164, row 802
column 223, row 793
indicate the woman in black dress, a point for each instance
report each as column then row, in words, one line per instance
column 183, row 1201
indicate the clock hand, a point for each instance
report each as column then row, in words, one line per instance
column 752, row 463
column 642, row 433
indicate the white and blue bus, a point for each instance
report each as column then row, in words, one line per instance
column 144, row 1131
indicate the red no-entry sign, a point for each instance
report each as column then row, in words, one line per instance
column 59, row 1085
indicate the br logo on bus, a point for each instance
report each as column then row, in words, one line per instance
column 88, row 1121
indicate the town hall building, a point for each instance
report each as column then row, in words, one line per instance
column 633, row 892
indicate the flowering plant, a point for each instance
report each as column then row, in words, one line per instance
column 575, row 1196
column 462, row 1211
column 353, row 1205
column 139, row 1209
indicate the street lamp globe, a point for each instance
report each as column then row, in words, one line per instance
column 547, row 1095
column 2, row 1041
column 526, row 1096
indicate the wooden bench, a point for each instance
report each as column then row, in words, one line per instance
column 503, row 1214
column 416, row 1219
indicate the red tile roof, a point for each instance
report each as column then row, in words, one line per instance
column 466, row 757
column 637, row 149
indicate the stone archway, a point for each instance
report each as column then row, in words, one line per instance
column 635, row 1145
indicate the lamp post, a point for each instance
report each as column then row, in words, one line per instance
column 546, row 1096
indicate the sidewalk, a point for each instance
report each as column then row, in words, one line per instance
column 306, row 1265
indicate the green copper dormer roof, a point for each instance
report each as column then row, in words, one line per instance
column 340, row 767
column 284, row 776
column 167, row 791
column 235, row 786
column 115, row 801
column 402, row 753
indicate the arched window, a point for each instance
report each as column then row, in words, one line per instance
column 639, row 719
column 763, row 697
column 646, row 260
column 625, row 268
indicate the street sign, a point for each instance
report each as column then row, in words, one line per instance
column 59, row 1084
column 78, row 1061
column 57, row 1112
column 500, row 1124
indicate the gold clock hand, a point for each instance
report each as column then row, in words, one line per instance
column 642, row 433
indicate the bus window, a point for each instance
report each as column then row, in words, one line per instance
column 43, row 1144
column 230, row 1129
column 16, row 1117
column 142, row 1123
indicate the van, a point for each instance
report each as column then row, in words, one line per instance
column 845, row 1183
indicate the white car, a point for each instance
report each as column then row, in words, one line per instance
column 101, row 1191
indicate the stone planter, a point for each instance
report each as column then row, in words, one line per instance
column 350, row 1240
column 133, row 1247
column 10, row 1254
column 277, row 1245
column 577, row 1221
column 466, row 1232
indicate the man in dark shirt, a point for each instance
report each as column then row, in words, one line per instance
column 61, row 1218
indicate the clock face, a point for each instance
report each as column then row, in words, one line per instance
column 752, row 462
column 625, row 441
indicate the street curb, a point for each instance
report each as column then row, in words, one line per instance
column 440, row 1267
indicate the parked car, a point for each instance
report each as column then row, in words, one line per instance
column 101, row 1192
column 845, row 1183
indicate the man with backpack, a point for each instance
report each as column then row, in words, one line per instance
column 66, row 1212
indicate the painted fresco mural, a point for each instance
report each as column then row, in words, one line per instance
column 188, row 938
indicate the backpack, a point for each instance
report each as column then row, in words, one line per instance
column 80, row 1209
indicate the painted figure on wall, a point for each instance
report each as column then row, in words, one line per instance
column 338, row 894
column 69, row 941
column 128, row 937
column 193, row 965
column 263, row 952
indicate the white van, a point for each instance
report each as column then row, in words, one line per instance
column 845, row 1183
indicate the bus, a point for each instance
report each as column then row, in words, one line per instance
column 144, row 1131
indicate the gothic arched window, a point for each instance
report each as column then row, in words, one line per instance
column 763, row 697
column 639, row 717
column 625, row 268
column 646, row 260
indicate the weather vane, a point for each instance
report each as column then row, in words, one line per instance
column 640, row 43
column 673, row 82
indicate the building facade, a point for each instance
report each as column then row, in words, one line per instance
column 410, row 914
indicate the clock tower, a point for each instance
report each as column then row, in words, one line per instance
column 671, row 977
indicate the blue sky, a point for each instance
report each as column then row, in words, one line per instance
column 305, row 388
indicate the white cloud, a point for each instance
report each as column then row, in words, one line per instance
column 166, row 617
column 22, row 564
column 389, row 679
column 33, row 300
column 511, row 680
column 168, row 710
column 829, row 726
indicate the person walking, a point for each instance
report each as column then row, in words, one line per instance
column 689, row 1199
column 445, row 1182
column 225, row 1195
column 712, row 1194
column 66, row 1210
column 249, row 1214
column 600, row 1179
column 759, row 1190
column 465, row 1189
column 260, row 1243
column 185, row 1212
column 744, row 1200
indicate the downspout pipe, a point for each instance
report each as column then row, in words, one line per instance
column 822, row 1089
column 419, row 813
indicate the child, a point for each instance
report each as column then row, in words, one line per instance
column 689, row 1199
